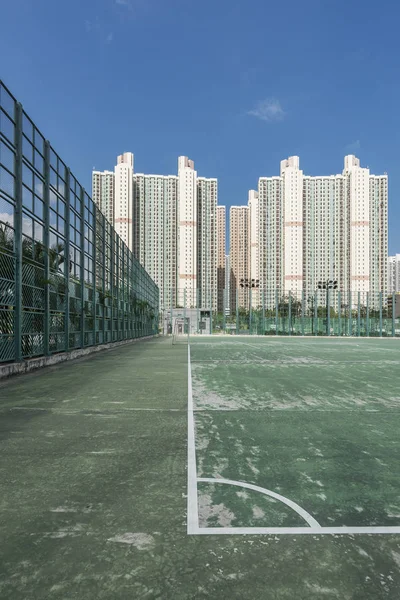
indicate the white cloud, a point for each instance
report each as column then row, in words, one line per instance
column 7, row 218
column 126, row 3
column 93, row 25
column 97, row 29
column 356, row 145
column 268, row 110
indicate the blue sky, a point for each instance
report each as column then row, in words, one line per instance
column 236, row 85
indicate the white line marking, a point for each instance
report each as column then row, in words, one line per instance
column 192, row 507
column 300, row 511
column 298, row 530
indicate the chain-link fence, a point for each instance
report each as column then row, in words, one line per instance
column 316, row 312
column 66, row 278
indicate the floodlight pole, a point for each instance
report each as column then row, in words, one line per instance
column 249, row 284
column 327, row 285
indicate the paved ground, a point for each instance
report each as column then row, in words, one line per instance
column 93, row 486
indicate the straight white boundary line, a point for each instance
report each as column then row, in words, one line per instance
column 192, row 503
column 297, row 530
column 300, row 511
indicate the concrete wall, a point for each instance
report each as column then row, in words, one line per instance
column 26, row 366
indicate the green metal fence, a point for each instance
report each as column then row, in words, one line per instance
column 66, row 278
column 305, row 312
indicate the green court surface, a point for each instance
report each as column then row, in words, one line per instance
column 259, row 469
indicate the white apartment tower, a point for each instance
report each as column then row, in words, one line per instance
column 394, row 274
column 254, row 274
column 316, row 229
column 103, row 193
column 187, row 233
column 207, row 196
column 227, row 304
column 155, row 230
column 112, row 192
column 170, row 224
column 239, row 257
column 292, row 201
column 221, row 257
column 123, row 198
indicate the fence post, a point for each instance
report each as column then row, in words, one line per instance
column 328, row 311
column 211, row 314
column 380, row 314
column 276, row 310
column 82, row 266
column 290, row 312
column 18, row 315
column 104, row 279
column 46, row 243
column 367, row 315
column 303, row 300
column 237, row 312
column 184, row 310
column 169, row 325
column 223, row 310
column 263, row 312
column 315, row 313
column 350, row 316
column 94, row 277
column 250, row 309
column 358, row 314
column 393, row 314
column 67, row 256
column 339, row 313
column 198, row 309
column 117, row 279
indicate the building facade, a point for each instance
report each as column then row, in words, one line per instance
column 113, row 194
column 394, row 273
column 239, row 257
column 221, row 258
column 207, row 195
column 103, row 193
column 254, row 271
column 227, row 303
column 187, row 233
column 313, row 230
column 155, row 230
column 170, row 224
column 123, row 198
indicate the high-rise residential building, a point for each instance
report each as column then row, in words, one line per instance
column 394, row 273
column 227, row 304
column 170, row 224
column 123, row 198
column 321, row 228
column 113, row 194
column 103, row 192
column 187, row 233
column 221, row 257
column 239, row 257
column 207, row 195
column 155, row 230
column 254, row 274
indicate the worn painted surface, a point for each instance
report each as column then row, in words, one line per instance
column 93, row 473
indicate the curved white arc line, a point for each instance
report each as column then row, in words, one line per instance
column 300, row 511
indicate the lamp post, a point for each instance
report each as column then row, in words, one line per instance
column 329, row 284
column 250, row 284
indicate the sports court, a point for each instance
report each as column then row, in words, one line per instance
column 296, row 436
column 261, row 468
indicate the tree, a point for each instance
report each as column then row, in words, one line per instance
column 293, row 302
column 6, row 237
